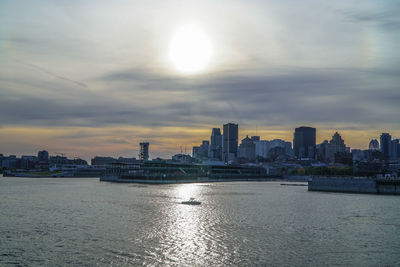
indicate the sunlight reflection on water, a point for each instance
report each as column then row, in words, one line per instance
column 83, row 222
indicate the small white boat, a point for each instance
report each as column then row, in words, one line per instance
column 191, row 201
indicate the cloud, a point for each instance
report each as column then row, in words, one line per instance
column 293, row 96
column 383, row 13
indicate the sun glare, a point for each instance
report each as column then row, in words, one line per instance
column 190, row 49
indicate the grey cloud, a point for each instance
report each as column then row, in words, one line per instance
column 382, row 13
column 297, row 96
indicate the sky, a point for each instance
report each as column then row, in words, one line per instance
column 90, row 78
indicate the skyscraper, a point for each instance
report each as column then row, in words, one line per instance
column 215, row 151
column 304, row 142
column 336, row 145
column 393, row 149
column 385, row 143
column 230, row 143
column 374, row 145
column 144, row 151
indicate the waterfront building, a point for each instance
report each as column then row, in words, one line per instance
column 304, row 142
column 230, row 141
column 144, row 151
column 127, row 160
column 182, row 158
column 58, row 160
column 43, row 156
column 247, row 149
column 385, row 143
column 374, row 145
column 28, row 162
column 10, row 162
column 102, row 161
column 62, row 160
column 215, row 150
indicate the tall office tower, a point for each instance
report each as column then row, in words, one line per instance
column 205, row 147
column 215, row 151
column 304, row 142
column 43, row 156
column 394, row 149
column 374, row 145
column 230, row 143
column 144, row 151
column 385, row 143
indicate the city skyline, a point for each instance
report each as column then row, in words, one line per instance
column 188, row 149
column 97, row 78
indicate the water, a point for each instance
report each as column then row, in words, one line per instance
column 84, row 222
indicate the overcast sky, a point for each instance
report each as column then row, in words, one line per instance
column 94, row 77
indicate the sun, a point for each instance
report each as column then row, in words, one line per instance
column 190, row 50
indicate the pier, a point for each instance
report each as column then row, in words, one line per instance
column 355, row 185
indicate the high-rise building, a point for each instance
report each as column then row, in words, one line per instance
column 287, row 146
column 144, row 151
column 336, row 145
column 215, row 151
column 374, row 145
column 201, row 152
column 247, row 149
column 394, row 149
column 262, row 148
column 321, row 151
column 205, row 147
column 230, row 143
column 43, row 156
column 385, row 143
column 196, row 152
column 304, row 142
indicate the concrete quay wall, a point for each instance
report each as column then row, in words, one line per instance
column 345, row 185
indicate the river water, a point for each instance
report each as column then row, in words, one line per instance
column 84, row 222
